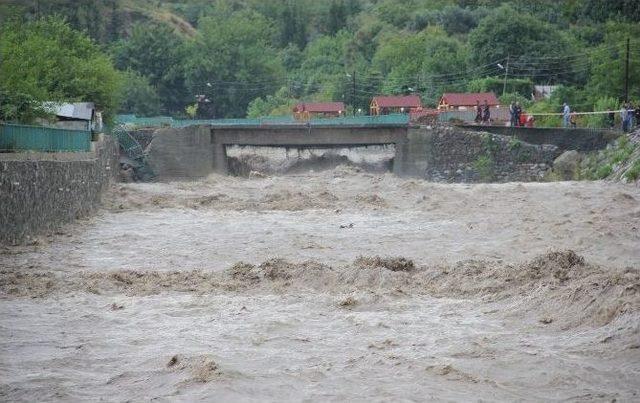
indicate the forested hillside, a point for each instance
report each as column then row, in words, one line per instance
column 258, row 57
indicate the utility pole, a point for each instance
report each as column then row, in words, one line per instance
column 506, row 73
column 626, row 75
column 353, row 100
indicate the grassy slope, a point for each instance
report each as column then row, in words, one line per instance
column 150, row 10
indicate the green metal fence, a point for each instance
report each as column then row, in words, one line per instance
column 395, row 119
column 48, row 139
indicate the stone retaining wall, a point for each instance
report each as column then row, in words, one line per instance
column 449, row 154
column 39, row 192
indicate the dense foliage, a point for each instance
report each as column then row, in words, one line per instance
column 46, row 60
column 259, row 57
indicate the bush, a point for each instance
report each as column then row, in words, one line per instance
column 604, row 171
column 514, row 144
column 17, row 107
column 521, row 88
column 633, row 174
column 546, row 107
column 602, row 120
column 485, row 167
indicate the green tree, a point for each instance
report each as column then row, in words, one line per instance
column 46, row 60
column 158, row 53
column 535, row 49
column 138, row 96
column 17, row 107
column 278, row 104
column 604, row 10
column 457, row 20
column 423, row 62
column 337, row 17
column 233, row 62
column 608, row 63
column 293, row 28
column 520, row 86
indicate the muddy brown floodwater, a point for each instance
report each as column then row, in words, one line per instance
column 339, row 285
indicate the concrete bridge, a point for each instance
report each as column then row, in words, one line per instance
column 304, row 137
column 197, row 151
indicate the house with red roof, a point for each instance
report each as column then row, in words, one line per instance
column 384, row 105
column 465, row 101
column 308, row 110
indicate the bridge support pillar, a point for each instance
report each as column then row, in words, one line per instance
column 220, row 163
column 400, row 158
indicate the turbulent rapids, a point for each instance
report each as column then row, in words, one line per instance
column 344, row 284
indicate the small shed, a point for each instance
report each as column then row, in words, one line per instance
column 384, row 105
column 308, row 110
column 74, row 116
column 465, row 101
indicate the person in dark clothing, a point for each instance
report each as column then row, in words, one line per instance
column 478, row 118
column 512, row 114
column 486, row 113
column 518, row 112
column 612, row 119
column 637, row 115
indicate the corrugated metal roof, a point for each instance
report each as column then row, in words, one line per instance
column 409, row 101
column 77, row 110
column 320, row 107
column 469, row 99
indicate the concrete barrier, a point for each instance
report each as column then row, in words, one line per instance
column 186, row 153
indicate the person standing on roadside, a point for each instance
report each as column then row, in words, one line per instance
column 518, row 113
column 512, row 113
column 624, row 117
column 566, row 115
column 478, row 118
column 486, row 113
column 631, row 115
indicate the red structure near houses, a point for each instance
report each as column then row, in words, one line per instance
column 465, row 101
column 306, row 111
column 384, row 105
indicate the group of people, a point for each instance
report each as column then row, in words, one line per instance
column 483, row 113
column 630, row 116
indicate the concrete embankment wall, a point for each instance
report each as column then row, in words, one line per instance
column 39, row 192
column 181, row 153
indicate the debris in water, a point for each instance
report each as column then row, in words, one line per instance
column 348, row 302
column 173, row 361
column 390, row 263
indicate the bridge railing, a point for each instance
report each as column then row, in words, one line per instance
column 163, row 121
column 46, row 139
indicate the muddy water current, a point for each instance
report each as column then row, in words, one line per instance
column 340, row 285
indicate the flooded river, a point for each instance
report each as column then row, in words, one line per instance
column 330, row 286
